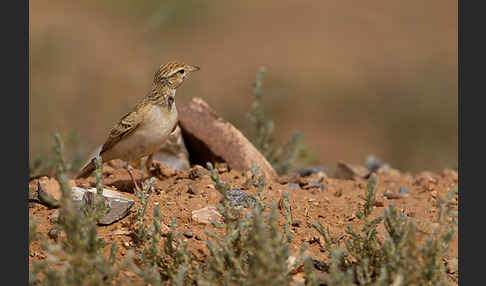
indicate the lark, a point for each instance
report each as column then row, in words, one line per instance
column 141, row 132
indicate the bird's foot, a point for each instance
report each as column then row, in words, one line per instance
column 129, row 170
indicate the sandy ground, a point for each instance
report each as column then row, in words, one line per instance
column 334, row 206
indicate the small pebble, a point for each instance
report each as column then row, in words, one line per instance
column 54, row 217
column 188, row 234
column 389, row 194
column 197, row 172
column 239, row 198
column 192, row 189
column 304, row 172
column 313, row 185
column 403, row 191
column 378, row 204
column 373, row 163
column 296, row 223
column 338, row 193
column 198, row 237
column 293, row 186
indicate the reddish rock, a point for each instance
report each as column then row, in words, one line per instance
column 46, row 190
column 161, row 170
column 289, row 178
column 347, row 171
column 209, row 138
column 50, row 187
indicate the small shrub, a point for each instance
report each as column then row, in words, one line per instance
column 282, row 157
column 40, row 165
column 77, row 258
column 399, row 259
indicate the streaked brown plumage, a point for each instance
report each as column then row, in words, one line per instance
column 140, row 132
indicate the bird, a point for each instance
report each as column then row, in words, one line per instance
column 148, row 125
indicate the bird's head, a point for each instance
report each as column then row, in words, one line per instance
column 173, row 74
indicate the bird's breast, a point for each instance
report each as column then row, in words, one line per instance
column 158, row 124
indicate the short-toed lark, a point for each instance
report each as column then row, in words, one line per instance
column 141, row 132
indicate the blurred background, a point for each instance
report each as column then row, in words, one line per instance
column 354, row 77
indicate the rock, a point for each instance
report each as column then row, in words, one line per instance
column 122, row 232
column 119, row 204
column 173, row 152
column 403, row 191
column 188, row 234
column 293, row 186
column 289, row 178
column 205, row 215
column 161, row 170
column 347, row 171
column 209, row 138
column 389, row 194
column 291, row 261
column 164, row 229
column 427, row 177
column 313, row 185
column 198, row 172
column 378, row 204
column 373, row 163
column 50, row 187
column 298, row 279
column 54, row 218
column 193, row 189
column 237, row 197
column 46, row 190
column 304, row 172
column 338, row 193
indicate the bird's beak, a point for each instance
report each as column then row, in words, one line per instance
column 194, row 68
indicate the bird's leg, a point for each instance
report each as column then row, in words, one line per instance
column 129, row 170
column 148, row 163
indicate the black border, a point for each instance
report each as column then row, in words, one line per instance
column 471, row 78
column 15, row 122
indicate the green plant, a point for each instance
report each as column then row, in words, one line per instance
column 40, row 165
column 281, row 157
column 77, row 258
column 397, row 260
column 140, row 233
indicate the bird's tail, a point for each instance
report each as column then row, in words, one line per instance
column 89, row 166
column 87, row 170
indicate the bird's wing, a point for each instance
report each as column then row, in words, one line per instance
column 126, row 125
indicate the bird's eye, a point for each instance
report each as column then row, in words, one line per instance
column 181, row 71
